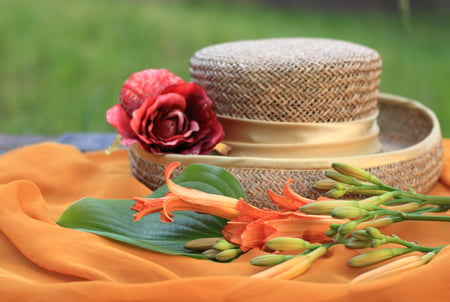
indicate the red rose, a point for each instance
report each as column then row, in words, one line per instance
column 164, row 114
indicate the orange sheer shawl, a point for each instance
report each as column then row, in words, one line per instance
column 43, row 261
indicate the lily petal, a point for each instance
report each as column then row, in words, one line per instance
column 196, row 196
column 180, row 198
column 311, row 228
column 289, row 193
column 289, row 201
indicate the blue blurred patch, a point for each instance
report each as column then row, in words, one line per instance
column 87, row 141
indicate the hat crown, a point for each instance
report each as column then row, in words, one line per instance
column 290, row 79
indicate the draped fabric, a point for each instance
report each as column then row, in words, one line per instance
column 41, row 261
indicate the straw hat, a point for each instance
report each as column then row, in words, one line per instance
column 291, row 107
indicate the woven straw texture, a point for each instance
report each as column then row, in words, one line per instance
column 290, row 80
column 401, row 128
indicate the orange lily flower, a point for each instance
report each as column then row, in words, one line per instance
column 256, row 226
column 185, row 199
column 291, row 201
column 310, row 228
column 248, row 226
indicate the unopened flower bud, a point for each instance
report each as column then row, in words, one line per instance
column 379, row 222
column 365, row 191
column 395, row 267
column 334, row 225
column 342, row 178
column 222, row 245
column 367, row 206
column 354, row 243
column 378, row 200
column 347, row 227
column 333, row 229
column 348, row 212
column 268, row 260
column 406, row 207
column 374, row 232
column 340, row 186
column 357, row 173
column 373, row 257
column 375, row 200
column 427, row 257
column 324, row 184
column 325, row 207
column 376, row 242
column 331, row 232
column 201, row 244
column 288, row 244
column 361, row 235
column 228, row 254
column 210, row 253
column 336, row 193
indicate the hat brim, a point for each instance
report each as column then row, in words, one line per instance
column 411, row 157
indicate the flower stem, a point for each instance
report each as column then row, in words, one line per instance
column 412, row 246
column 407, row 216
column 436, row 200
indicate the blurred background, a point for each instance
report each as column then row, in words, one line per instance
column 62, row 62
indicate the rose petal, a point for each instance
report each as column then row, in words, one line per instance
column 145, row 85
column 117, row 117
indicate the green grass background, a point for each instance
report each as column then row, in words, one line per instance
column 62, row 62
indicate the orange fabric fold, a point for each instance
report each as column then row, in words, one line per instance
column 43, row 261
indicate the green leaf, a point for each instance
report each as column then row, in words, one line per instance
column 114, row 219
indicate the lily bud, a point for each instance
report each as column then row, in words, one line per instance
column 293, row 267
column 357, row 173
column 365, row 191
column 373, row 257
column 227, row 255
column 201, row 244
column 375, row 233
column 354, row 243
column 406, row 207
column 288, row 244
column 348, row 212
column 377, row 200
column 336, row 193
column 376, row 242
column 334, row 226
column 347, row 227
column 361, row 235
column 342, row 178
column 395, row 267
column 333, row 229
column 325, row 207
column 367, row 206
column 379, row 222
column 324, row 184
column 331, row 232
column 210, row 253
column 268, row 260
column 222, row 245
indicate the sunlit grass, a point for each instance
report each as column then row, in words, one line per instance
column 63, row 62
